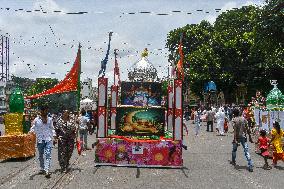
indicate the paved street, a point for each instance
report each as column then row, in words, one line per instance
column 206, row 165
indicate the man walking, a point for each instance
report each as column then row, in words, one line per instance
column 210, row 118
column 240, row 136
column 84, row 123
column 44, row 130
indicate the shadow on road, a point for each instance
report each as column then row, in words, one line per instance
column 239, row 167
column 279, row 168
column 17, row 159
column 56, row 171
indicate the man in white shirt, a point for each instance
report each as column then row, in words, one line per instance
column 44, row 130
column 84, row 122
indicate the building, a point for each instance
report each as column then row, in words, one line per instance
column 87, row 89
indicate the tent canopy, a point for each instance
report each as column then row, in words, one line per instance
column 86, row 100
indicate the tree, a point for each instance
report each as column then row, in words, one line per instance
column 22, row 83
column 269, row 41
column 243, row 45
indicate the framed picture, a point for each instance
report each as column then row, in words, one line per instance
column 141, row 93
column 133, row 121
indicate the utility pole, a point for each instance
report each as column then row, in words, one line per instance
column 5, row 58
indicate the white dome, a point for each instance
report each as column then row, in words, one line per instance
column 142, row 70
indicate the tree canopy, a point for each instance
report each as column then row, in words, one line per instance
column 242, row 46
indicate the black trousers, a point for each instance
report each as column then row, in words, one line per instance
column 210, row 123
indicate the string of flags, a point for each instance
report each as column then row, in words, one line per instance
column 34, row 42
column 167, row 13
column 134, row 53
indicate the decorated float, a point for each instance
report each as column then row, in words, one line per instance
column 16, row 143
column 266, row 111
column 134, row 128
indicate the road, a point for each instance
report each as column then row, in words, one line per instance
column 206, row 165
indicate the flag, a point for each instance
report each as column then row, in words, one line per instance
column 180, row 61
column 105, row 60
column 70, row 83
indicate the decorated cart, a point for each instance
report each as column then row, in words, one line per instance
column 16, row 143
column 264, row 116
column 134, row 128
column 273, row 111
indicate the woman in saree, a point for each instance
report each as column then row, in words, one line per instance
column 66, row 132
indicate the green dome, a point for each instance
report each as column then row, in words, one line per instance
column 16, row 102
column 275, row 99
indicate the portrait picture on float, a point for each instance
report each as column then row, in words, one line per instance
column 141, row 93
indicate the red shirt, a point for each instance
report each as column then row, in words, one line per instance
column 263, row 142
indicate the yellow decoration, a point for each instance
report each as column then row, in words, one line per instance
column 145, row 53
column 108, row 154
column 13, row 123
column 121, row 148
column 16, row 146
column 159, row 157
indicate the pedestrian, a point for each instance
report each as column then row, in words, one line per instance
column 66, row 131
column 95, row 119
column 230, row 113
column 84, row 122
column 241, row 131
column 220, row 117
column 276, row 141
column 226, row 125
column 210, row 118
column 44, row 130
column 89, row 115
column 185, row 127
column 186, row 114
column 197, row 121
column 263, row 143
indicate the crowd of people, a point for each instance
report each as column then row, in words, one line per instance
column 65, row 129
column 240, row 119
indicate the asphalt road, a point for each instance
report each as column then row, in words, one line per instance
column 206, row 165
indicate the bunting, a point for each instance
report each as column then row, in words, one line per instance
column 70, row 83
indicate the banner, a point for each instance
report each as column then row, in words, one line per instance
column 141, row 93
column 265, row 119
column 140, row 121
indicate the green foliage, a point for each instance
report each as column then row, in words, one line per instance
column 22, row 83
column 40, row 85
column 243, row 45
column 165, row 88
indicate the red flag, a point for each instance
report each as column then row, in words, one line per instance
column 68, row 84
column 79, row 146
column 180, row 61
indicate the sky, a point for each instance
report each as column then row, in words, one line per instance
column 45, row 44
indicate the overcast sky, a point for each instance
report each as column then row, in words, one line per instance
column 48, row 41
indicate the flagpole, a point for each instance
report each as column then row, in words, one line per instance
column 115, row 64
column 79, row 81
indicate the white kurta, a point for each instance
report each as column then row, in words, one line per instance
column 220, row 118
